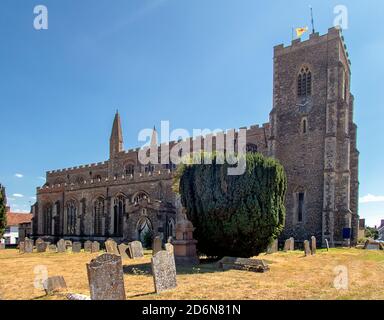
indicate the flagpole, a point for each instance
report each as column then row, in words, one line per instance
column 313, row 24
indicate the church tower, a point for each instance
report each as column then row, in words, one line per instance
column 314, row 137
column 116, row 140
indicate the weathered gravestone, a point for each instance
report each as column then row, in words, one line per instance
column 76, row 247
column 2, row 245
column 307, row 249
column 169, row 248
column 273, row 247
column 313, row 245
column 105, row 278
column 21, row 247
column 88, row 246
column 164, row 271
column 52, row 248
column 371, row 244
column 54, row 284
column 123, row 250
column 292, row 243
column 68, row 244
column 95, row 247
column 287, row 245
column 28, row 246
column 157, row 245
column 41, row 246
column 39, row 240
column 135, row 250
column 111, row 247
column 327, row 244
column 61, row 246
column 255, row 265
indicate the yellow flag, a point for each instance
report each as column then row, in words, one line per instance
column 301, row 31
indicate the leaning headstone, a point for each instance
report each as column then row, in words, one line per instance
column 21, row 247
column 41, row 246
column 313, row 245
column 273, row 247
column 95, row 247
column 52, row 248
column 307, row 249
column 61, row 246
column 164, row 271
column 157, row 245
column 54, row 284
column 28, row 246
column 287, row 245
column 88, row 246
column 76, row 247
column 123, row 249
column 254, row 265
column 111, row 247
column 327, row 244
column 169, row 248
column 105, row 278
column 135, row 250
column 292, row 243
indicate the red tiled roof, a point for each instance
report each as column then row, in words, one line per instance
column 14, row 219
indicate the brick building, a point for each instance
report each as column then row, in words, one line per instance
column 311, row 132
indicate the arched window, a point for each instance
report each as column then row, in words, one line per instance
column 140, row 196
column 171, row 228
column 97, row 178
column 79, row 180
column 300, row 203
column 304, row 125
column 251, row 148
column 144, row 226
column 129, row 169
column 304, row 82
column 149, row 168
column 48, row 220
column 71, row 217
column 118, row 212
column 58, row 219
column 98, row 212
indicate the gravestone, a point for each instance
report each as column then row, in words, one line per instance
column 327, row 244
column 21, row 247
column 88, row 246
column 95, row 247
column 254, row 265
column 287, row 245
column 68, row 244
column 54, row 284
column 157, row 245
column 371, row 244
column 123, row 249
column 61, row 246
column 135, row 250
column 39, row 240
column 111, row 247
column 76, row 247
column 169, row 239
column 28, row 246
column 307, row 249
column 41, row 246
column 52, row 248
column 105, row 278
column 164, row 271
column 292, row 243
column 2, row 245
column 169, row 248
column 313, row 245
column 273, row 247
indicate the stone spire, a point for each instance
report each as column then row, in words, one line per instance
column 116, row 140
column 154, row 137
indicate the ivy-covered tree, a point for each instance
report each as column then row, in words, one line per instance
column 3, row 214
column 238, row 215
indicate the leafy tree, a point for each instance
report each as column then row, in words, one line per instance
column 234, row 215
column 372, row 233
column 3, row 214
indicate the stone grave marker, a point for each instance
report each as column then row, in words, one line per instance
column 2, row 246
column 135, row 250
column 372, row 245
column 164, row 271
column 76, row 247
column 39, row 240
column 21, row 247
column 169, row 248
column 61, row 246
column 273, row 247
column 68, row 244
column 54, row 284
column 123, row 249
column 313, row 245
column 111, row 247
column 28, row 245
column 292, row 243
column 105, row 278
column 157, row 245
column 52, row 248
column 88, row 246
column 254, row 265
column 287, row 245
column 307, row 249
column 41, row 246
column 95, row 247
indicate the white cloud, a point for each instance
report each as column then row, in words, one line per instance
column 18, row 195
column 371, row 198
column 19, row 175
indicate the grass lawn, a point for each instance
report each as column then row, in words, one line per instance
column 291, row 276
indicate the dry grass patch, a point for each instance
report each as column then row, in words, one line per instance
column 291, row 276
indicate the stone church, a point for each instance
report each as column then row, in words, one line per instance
column 310, row 131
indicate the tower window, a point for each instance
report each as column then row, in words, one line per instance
column 304, row 82
column 304, row 125
column 300, row 207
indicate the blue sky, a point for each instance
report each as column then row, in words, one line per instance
column 196, row 63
